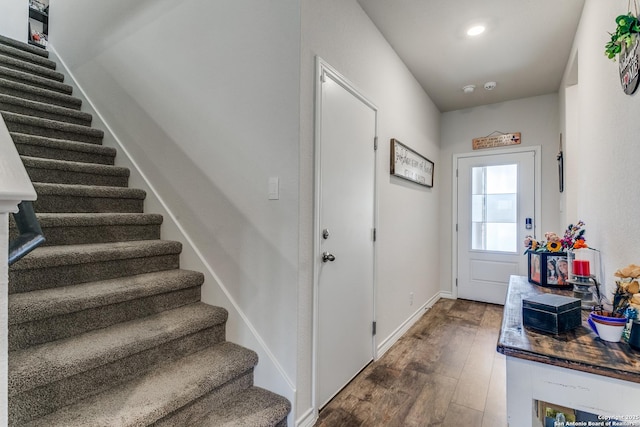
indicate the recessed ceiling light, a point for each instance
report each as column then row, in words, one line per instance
column 469, row 88
column 475, row 30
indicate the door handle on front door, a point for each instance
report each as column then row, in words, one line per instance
column 326, row 256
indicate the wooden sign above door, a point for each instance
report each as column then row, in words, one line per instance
column 499, row 140
column 492, row 140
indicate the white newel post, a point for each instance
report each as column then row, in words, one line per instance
column 15, row 186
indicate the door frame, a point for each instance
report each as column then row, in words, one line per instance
column 537, row 150
column 323, row 68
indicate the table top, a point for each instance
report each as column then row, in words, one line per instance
column 579, row 349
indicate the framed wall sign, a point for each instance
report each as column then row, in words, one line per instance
column 408, row 164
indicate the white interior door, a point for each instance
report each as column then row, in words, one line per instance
column 496, row 204
column 345, row 227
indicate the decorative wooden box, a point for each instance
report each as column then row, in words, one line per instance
column 551, row 313
column 548, row 269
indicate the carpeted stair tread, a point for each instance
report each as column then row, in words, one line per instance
column 66, row 165
column 67, row 172
column 83, row 228
column 23, row 46
column 27, row 67
column 19, row 123
column 53, row 256
column 40, row 94
column 26, row 107
column 96, row 219
column 159, row 392
column 59, row 313
column 88, row 191
column 53, row 361
column 87, row 198
column 62, row 149
column 34, row 80
column 46, row 303
column 26, row 56
column 255, row 407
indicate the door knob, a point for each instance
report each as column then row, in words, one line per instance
column 326, row 256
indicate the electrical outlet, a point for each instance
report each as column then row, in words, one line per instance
column 410, row 298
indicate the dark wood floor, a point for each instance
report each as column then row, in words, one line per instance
column 444, row 371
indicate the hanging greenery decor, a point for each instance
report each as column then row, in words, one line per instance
column 627, row 28
column 625, row 45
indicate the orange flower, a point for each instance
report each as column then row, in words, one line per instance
column 580, row 244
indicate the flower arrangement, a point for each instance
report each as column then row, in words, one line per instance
column 573, row 239
column 627, row 294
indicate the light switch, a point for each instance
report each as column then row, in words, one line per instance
column 274, row 188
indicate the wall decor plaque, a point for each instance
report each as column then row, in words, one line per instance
column 628, row 67
column 409, row 165
column 501, row 140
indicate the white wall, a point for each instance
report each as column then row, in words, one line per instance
column 205, row 97
column 537, row 119
column 14, row 19
column 604, row 155
column 407, row 247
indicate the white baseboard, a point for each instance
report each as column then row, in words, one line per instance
column 308, row 419
column 447, row 295
column 404, row 327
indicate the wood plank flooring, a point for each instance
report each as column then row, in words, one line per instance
column 445, row 371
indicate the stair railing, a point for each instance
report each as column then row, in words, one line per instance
column 15, row 186
column 16, row 194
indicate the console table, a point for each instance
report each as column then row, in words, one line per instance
column 575, row 369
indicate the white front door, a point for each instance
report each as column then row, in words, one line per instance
column 495, row 207
column 345, row 224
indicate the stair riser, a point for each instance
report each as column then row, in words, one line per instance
column 61, row 154
column 189, row 415
column 26, row 67
column 33, row 80
column 52, row 133
column 38, row 332
column 19, row 109
column 41, row 96
column 69, row 235
column 31, row 58
column 54, row 176
column 35, row 403
column 51, row 277
column 56, row 203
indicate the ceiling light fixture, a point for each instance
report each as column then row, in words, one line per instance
column 476, row 30
column 469, row 88
column 490, row 85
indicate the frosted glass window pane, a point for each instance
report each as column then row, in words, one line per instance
column 501, row 208
column 494, row 208
column 501, row 237
column 478, row 180
column 477, row 236
column 502, row 179
column 477, row 208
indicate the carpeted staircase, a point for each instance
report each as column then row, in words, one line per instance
column 105, row 329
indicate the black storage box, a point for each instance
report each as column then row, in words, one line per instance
column 551, row 313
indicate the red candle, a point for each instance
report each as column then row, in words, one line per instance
column 581, row 267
